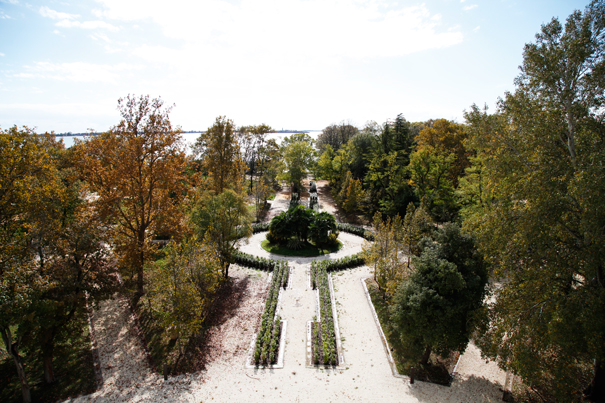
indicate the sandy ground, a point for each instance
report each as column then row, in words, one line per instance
column 366, row 376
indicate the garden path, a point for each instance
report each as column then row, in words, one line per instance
column 367, row 377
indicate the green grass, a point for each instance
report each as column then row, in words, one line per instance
column 437, row 369
column 309, row 250
column 73, row 366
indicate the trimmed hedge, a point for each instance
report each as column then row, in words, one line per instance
column 356, row 230
column 267, row 339
column 254, row 262
column 347, row 262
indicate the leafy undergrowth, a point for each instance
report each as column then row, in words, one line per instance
column 309, row 250
column 73, row 366
column 437, row 369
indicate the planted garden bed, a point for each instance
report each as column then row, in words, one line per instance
column 324, row 348
column 266, row 347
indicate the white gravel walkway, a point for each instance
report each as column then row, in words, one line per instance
column 367, row 377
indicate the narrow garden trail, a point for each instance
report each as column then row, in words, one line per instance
column 365, row 376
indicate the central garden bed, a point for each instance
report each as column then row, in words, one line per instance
column 308, row 249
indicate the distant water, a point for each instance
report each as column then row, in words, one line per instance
column 189, row 138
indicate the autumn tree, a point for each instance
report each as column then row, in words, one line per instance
column 137, row 173
column 385, row 254
column 541, row 226
column 27, row 177
column 446, row 138
column 220, row 155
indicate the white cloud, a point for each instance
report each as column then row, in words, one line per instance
column 86, row 25
column 2, row 54
column 469, row 7
column 78, row 72
column 10, row 1
column 292, row 28
column 56, row 15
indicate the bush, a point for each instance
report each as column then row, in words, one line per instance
column 355, row 230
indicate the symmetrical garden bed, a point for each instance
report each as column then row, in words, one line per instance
column 323, row 332
column 266, row 347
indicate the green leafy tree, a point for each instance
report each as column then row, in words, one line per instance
column 183, row 288
column 429, row 172
column 299, row 159
column 433, row 309
column 542, row 227
column 323, row 229
column 222, row 218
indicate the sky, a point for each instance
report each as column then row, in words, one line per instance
column 291, row 64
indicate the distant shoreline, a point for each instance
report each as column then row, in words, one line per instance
column 70, row 134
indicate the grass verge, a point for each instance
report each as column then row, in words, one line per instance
column 309, row 250
column 72, row 363
column 437, row 369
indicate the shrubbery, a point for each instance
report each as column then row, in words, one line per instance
column 299, row 224
column 355, row 230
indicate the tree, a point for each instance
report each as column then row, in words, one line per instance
column 446, row 138
column 223, row 219
column 336, row 136
column 299, row 159
column 541, row 226
column 137, row 171
column 75, row 263
column 183, row 288
column 219, row 152
column 252, row 141
column 323, row 229
column 384, row 254
column 434, row 307
column 27, row 177
column 430, row 172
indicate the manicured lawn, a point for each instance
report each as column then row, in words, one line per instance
column 73, row 366
column 437, row 369
column 309, row 250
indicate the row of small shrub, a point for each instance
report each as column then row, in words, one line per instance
column 356, row 230
column 254, row 262
column 324, row 347
column 260, row 227
column 267, row 339
column 347, row 262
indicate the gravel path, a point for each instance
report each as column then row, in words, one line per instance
column 367, row 377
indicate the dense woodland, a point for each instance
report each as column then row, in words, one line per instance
column 503, row 216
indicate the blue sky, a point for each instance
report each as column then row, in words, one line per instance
column 292, row 64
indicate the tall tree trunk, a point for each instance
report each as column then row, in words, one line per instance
column 140, row 265
column 13, row 350
column 596, row 390
column 425, row 357
column 48, row 346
